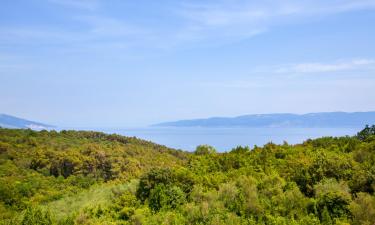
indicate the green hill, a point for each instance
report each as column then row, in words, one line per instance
column 81, row 177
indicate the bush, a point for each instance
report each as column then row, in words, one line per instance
column 332, row 197
column 151, row 179
column 35, row 216
column 204, row 150
column 166, row 197
column 363, row 209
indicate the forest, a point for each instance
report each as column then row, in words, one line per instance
column 86, row 177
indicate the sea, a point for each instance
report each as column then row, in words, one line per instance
column 224, row 139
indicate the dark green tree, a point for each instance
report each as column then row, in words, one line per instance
column 367, row 132
column 151, row 179
column 166, row 197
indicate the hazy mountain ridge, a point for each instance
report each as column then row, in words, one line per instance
column 323, row 119
column 8, row 121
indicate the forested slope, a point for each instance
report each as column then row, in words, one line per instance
column 39, row 167
column 75, row 177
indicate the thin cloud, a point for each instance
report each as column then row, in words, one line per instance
column 108, row 31
column 214, row 23
column 276, row 83
column 355, row 64
column 33, row 34
column 79, row 4
column 269, row 76
column 240, row 84
column 244, row 19
column 110, row 27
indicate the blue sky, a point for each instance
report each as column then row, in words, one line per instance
column 133, row 63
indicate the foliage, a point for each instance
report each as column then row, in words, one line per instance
column 166, row 197
column 366, row 133
column 35, row 216
column 82, row 177
column 204, row 150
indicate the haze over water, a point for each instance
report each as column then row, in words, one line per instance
column 224, row 139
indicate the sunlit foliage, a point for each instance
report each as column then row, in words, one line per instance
column 80, row 177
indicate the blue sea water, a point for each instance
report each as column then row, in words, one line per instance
column 224, row 139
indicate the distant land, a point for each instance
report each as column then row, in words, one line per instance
column 321, row 119
column 7, row 121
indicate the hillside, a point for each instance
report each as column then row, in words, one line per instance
column 81, row 177
column 326, row 119
column 8, row 121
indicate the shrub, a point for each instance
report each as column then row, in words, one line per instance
column 204, row 150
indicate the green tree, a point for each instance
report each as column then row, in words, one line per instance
column 166, row 197
column 35, row 216
column 151, row 179
column 240, row 149
column 204, row 150
column 367, row 132
column 363, row 209
column 334, row 197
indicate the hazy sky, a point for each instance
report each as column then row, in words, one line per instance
column 133, row 63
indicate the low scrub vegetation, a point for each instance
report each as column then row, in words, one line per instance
column 80, row 177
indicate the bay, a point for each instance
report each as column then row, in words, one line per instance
column 224, row 139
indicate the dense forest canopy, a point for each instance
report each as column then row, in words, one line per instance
column 82, row 177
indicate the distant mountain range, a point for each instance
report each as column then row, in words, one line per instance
column 323, row 119
column 7, row 121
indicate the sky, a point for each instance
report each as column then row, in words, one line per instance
column 122, row 63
